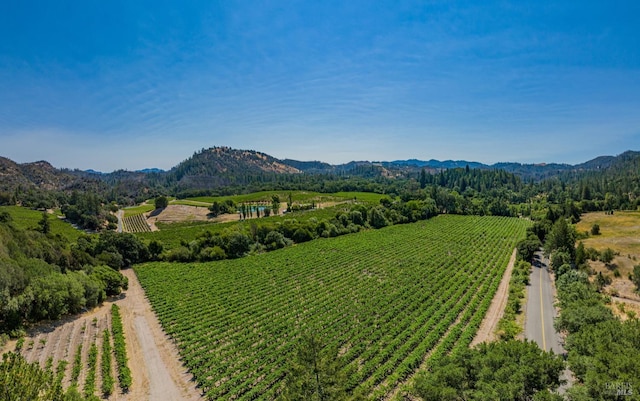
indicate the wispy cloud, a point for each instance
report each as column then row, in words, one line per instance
column 328, row 81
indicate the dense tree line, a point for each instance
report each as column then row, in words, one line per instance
column 88, row 211
column 504, row 370
column 603, row 352
column 486, row 192
column 261, row 236
column 458, row 190
column 44, row 277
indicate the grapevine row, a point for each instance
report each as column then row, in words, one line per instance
column 387, row 298
column 136, row 224
column 124, row 374
column 107, row 377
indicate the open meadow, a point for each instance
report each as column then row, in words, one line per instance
column 391, row 300
column 25, row 218
column 620, row 232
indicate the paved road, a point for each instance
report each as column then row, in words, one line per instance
column 540, row 314
column 540, row 310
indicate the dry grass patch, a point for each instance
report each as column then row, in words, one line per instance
column 620, row 232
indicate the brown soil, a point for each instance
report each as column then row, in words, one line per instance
column 487, row 330
column 622, row 307
column 153, row 358
column 179, row 213
column 186, row 213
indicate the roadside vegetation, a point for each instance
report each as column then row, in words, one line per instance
column 44, row 277
column 509, row 327
column 603, row 351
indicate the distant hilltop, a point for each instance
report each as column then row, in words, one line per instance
column 221, row 165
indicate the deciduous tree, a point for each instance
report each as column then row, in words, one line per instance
column 161, row 202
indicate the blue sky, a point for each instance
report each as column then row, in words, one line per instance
column 134, row 84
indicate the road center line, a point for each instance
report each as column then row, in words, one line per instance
column 544, row 343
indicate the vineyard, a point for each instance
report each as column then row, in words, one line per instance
column 79, row 354
column 390, row 300
column 136, row 224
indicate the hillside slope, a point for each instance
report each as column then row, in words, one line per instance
column 223, row 166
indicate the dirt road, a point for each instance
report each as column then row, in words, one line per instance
column 155, row 367
column 154, row 361
column 487, row 330
column 120, row 216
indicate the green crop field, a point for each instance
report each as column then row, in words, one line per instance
column 386, row 298
column 171, row 234
column 297, row 196
column 187, row 202
column 25, row 218
column 141, row 209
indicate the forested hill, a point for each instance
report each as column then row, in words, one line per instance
column 40, row 174
column 220, row 167
column 626, row 161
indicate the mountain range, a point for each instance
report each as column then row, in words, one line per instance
column 218, row 166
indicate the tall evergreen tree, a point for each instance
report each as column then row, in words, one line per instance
column 315, row 373
column 423, row 178
column 45, row 225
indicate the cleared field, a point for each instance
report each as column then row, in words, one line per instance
column 390, row 300
column 619, row 231
column 190, row 203
column 25, row 218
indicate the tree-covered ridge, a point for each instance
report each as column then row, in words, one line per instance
column 211, row 166
column 36, row 175
column 43, row 276
column 603, row 184
column 222, row 170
